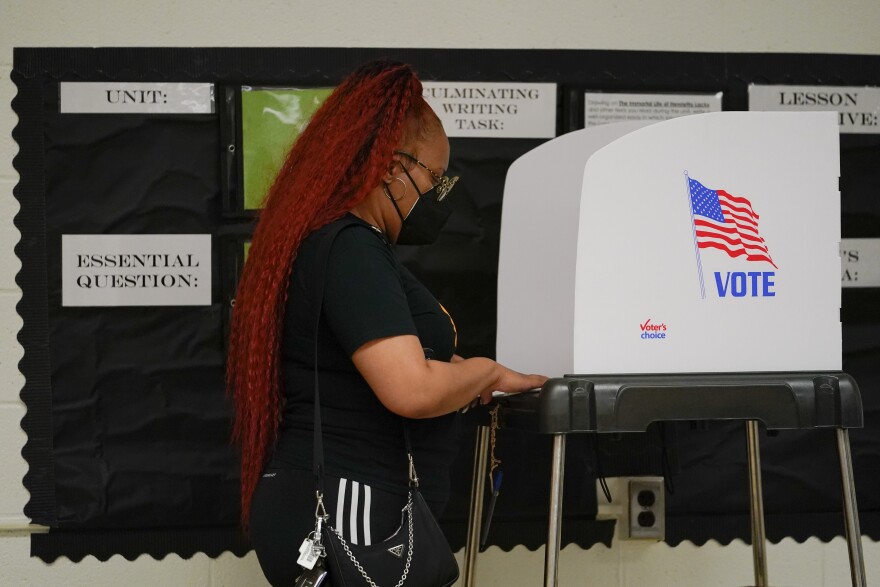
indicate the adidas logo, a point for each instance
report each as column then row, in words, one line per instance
column 397, row 550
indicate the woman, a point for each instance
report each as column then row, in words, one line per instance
column 374, row 157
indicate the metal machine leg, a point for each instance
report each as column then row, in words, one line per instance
column 554, row 528
column 759, row 542
column 475, row 516
column 850, row 511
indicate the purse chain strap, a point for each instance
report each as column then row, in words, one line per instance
column 409, row 551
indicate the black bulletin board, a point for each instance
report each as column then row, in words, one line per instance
column 127, row 419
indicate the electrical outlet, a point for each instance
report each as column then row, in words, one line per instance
column 647, row 508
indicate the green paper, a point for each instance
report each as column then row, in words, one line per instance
column 271, row 121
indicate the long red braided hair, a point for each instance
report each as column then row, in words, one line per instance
column 337, row 160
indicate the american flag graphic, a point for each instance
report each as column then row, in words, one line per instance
column 726, row 222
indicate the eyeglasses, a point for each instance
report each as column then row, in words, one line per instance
column 442, row 183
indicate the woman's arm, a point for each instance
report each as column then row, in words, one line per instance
column 410, row 386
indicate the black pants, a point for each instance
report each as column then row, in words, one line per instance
column 283, row 515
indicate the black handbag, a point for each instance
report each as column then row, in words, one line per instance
column 417, row 555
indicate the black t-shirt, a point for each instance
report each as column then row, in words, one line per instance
column 368, row 294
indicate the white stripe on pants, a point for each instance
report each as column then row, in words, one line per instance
column 353, row 503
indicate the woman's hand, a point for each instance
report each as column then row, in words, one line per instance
column 511, row 381
column 407, row 384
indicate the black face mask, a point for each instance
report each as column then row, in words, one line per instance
column 425, row 220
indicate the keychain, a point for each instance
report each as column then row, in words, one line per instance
column 312, row 552
column 494, row 481
column 309, row 553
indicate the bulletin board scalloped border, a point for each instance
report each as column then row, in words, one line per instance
column 573, row 70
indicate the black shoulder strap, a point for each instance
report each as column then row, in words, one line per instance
column 319, row 278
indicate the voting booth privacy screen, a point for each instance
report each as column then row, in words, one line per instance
column 669, row 275
column 142, row 172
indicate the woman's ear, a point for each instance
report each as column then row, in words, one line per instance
column 388, row 176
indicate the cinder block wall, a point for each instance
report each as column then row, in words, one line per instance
column 822, row 26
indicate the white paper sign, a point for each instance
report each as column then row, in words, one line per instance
column 136, row 270
column 136, row 98
column 497, row 110
column 860, row 262
column 858, row 108
column 603, row 108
